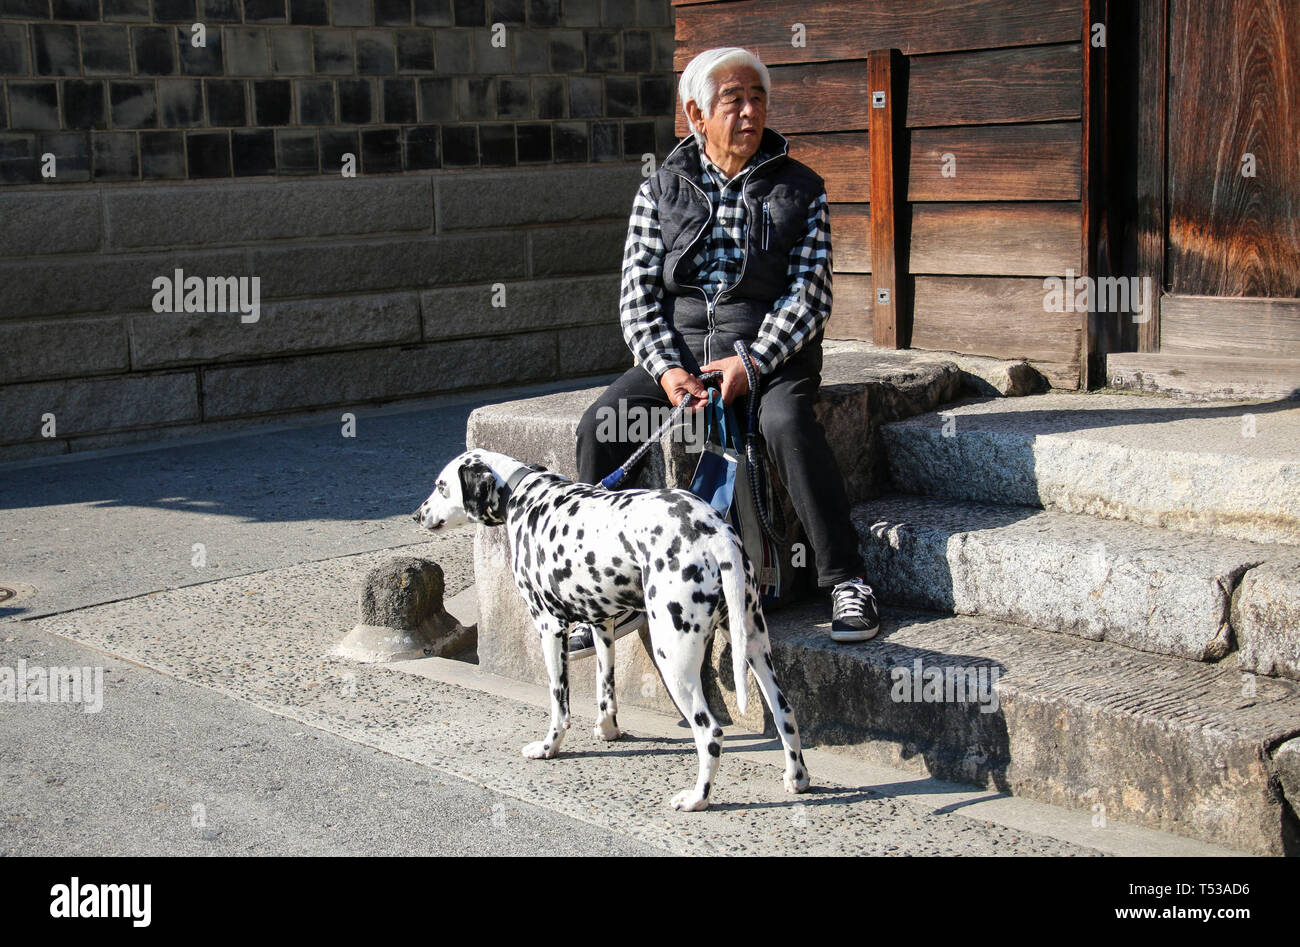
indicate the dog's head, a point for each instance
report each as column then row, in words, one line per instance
column 466, row 491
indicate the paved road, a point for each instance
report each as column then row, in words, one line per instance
column 82, row 530
column 168, row 768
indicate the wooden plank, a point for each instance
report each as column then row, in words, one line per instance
column 1200, row 325
column 886, row 78
column 851, row 237
column 821, row 97
column 999, row 316
column 842, row 159
column 851, row 308
column 996, row 163
column 1153, row 71
column 1093, row 325
column 847, row 29
column 1205, row 376
column 1003, row 239
column 1234, row 91
column 1034, row 84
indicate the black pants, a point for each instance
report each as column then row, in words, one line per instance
column 796, row 442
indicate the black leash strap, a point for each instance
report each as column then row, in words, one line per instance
column 772, row 520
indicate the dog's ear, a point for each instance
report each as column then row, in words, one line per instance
column 481, row 498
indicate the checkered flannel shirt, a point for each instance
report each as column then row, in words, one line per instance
column 795, row 317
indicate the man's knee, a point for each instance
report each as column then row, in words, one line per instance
column 780, row 420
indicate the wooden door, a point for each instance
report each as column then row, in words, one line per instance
column 1231, row 254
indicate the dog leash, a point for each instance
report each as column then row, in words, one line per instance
column 614, row 479
column 753, row 457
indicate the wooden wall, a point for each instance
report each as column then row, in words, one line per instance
column 996, row 84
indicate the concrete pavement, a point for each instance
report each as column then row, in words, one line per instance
column 230, row 661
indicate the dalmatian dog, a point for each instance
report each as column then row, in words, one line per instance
column 584, row 554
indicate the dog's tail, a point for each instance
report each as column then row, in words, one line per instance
column 728, row 550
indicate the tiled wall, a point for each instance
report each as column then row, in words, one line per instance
column 116, row 90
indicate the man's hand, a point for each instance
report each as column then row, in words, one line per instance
column 734, row 380
column 677, row 383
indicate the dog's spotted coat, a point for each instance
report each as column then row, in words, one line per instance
column 583, row 554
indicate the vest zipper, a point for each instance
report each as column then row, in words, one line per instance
column 744, row 263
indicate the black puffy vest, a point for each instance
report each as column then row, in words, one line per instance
column 788, row 189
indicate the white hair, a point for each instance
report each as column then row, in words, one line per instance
column 698, row 82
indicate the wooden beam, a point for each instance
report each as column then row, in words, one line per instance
column 887, row 136
column 1093, row 337
column 1153, row 73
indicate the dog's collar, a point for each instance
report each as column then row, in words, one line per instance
column 520, row 474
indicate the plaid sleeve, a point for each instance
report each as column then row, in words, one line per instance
column 803, row 311
column 644, row 328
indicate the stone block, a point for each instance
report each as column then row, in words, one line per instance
column 167, row 339
column 49, row 223
column 509, row 199
column 370, row 375
column 89, row 405
column 1266, row 618
column 570, row 251
column 34, row 350
column 530, row 304
column 1155, row 590
column 413, row 263
column 592, row 349
column 110, row 283
column 1231, row 470
column 402, row 616
column 244, row 212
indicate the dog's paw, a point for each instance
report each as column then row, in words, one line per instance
column 796, row 781
column 541, row 750
column 690, row 800
column 607, row 730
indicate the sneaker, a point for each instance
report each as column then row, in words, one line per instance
column 854, row 616
column 582, row 640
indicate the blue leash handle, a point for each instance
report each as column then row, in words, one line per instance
column 614, row 479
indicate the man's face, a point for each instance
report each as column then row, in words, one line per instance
column 739, row 114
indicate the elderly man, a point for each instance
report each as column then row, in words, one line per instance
column 730, row 240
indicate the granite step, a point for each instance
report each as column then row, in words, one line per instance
column 1191, row 748
column 1176, row 745
column 1226, row 469
column 1143, row 587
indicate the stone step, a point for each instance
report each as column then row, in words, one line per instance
column 1163, row 742
column 1153, row 589
column 1229, row 469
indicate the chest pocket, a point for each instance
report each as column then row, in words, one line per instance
column 783, row 221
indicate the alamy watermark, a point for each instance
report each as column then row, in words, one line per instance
column 215, row 294
column 626, row 424
column 951, row 685
column 33, row 684
column 1098, row 294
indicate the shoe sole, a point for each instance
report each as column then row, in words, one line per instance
column 850, row 637
column 623, row 633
